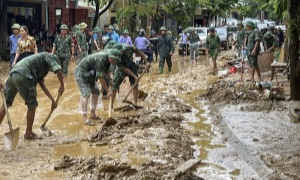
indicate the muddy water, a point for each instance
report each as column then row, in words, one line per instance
column 67, row 127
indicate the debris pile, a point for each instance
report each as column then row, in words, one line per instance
column 156, row 139
column 235, row 92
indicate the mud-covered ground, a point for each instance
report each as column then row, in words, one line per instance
column 179, row 129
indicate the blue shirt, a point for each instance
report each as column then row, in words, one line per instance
column 184, row 38
column 125, row 40
column 95, row 36
column 14, row 43
column 113, row 36
column 141, row 43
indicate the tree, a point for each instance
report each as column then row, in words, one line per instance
column 3, row 21
column 293, row 35
column 218, row 7
column 104, row 4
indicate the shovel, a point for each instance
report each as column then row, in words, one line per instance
column 136, row 83
column 44, row 129
column 11, row 138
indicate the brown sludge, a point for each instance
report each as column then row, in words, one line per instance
column 152, row 137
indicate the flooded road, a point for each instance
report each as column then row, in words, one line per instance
column 147, row 139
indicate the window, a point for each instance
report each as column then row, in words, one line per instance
column 58, row 16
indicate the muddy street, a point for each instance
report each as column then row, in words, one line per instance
column 177, row 126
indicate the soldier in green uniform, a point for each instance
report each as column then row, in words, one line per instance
column 193, row 40
column 165, row 49
column 81, row 42
column 269, row 41
column 127, row 67
column 241, row 34
column 61, row 46
column 213, row 45
column 252, row 44
column 110, row 44
column 23, row 79
column 87, row 72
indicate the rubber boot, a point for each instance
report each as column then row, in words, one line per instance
column 170, row 69
column 161, row 70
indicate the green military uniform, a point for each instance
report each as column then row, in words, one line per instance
column 213, row 45
column 63, row 45
column 165, row 47
column 194, row 46
column 110, row 44
column 89, row 70
column 127, row 61
column 26, row 74
column 193, row 39
column 241, row 34
column 252, row 37
column 269, row 40
column 81, row 41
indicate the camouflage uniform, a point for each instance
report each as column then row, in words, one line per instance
column 194, row 46
column 127, row 61
column 89, row 70
column 81, row 40
column 26, row 74
column 241, row 34
column 213, row 45
column 165, row 47
column 252, row 37
column 63, row 45
column 269, row 40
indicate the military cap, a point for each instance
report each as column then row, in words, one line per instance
column 111, row 27
column 82, row 25
column 250, row 23
column 115, row 55
column 118, row 47
column 16, row 26
column 163, row 28
column 63, row 27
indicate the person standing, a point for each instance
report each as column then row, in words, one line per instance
column 166, row 50
column 269, row 41
column 62, row 45
column 26, row 46
column 193, row 39
column 125, row 38
column 241, row 34
column 13, row 39
column 90, row 41
column 81, row 42
column 24, row 78
column 88, row 71
column 252, row 44
column 96, row 36
column 184, row 41
column 143, row 44
column 112, row 35
column 154, row 40
column 213, row 45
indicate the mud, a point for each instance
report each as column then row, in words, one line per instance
column 174, row 127
column 235, row 92
column 148, row 135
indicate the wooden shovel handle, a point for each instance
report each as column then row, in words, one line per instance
column 135, row 84
column 50, row 113
column 6, row 110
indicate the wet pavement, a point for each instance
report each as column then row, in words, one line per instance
column 141, row 139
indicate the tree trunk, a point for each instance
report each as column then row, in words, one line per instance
column 3, row 22
column 293, row 35
column 97, row 15
column 96, row 18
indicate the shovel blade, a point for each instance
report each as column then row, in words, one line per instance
column 11, row 139
column 46, row 131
